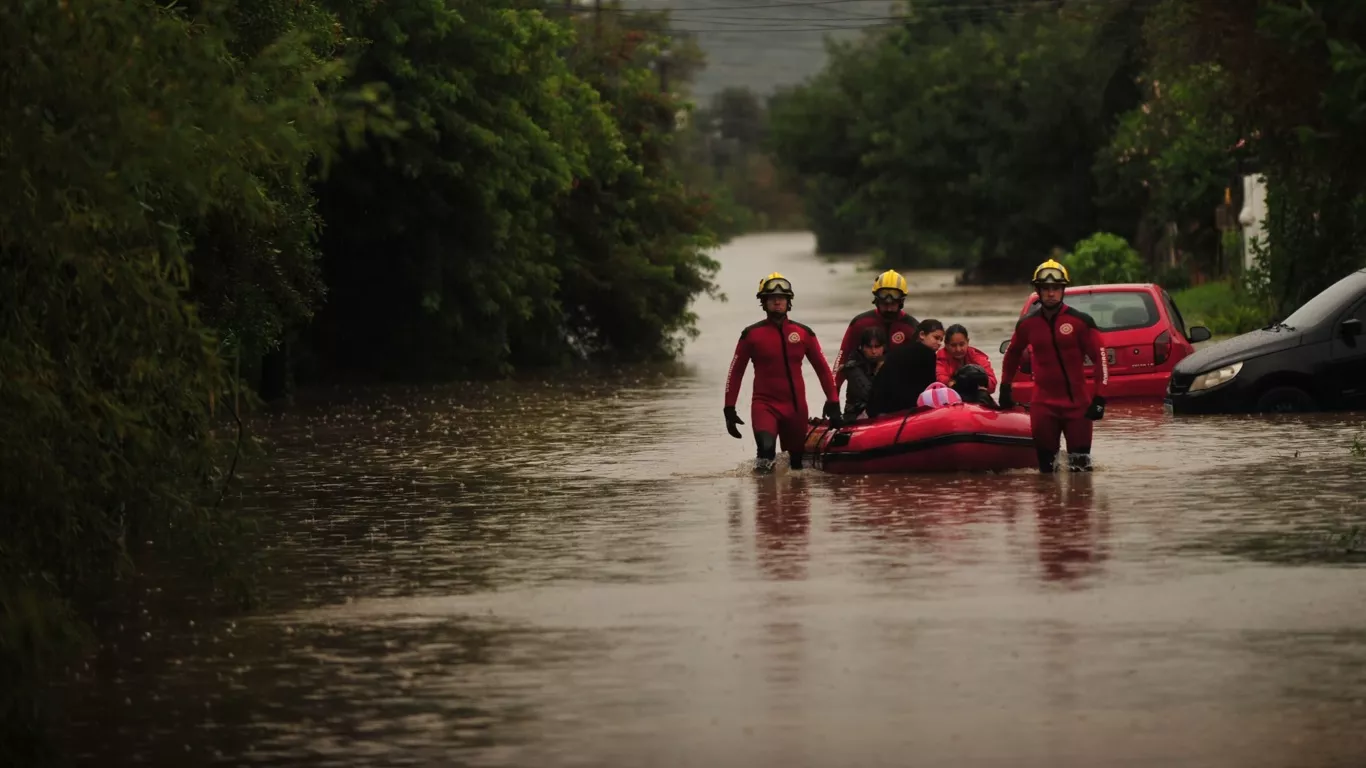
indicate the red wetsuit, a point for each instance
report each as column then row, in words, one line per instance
column 778, row 405
column 946, row 366
column 1061, row 394
column 899, row 331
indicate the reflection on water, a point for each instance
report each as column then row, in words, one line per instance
column 585, row 572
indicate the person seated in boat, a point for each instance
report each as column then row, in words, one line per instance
column 957, row 353
column 860, row 369
column 938, row 395
column 971, row 384
column 931, row 334
column 888, row 313
column 908, row 370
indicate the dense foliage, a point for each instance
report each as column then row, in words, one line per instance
column 130, row 131
column 987, row 140
column 1275, row 88
column 949, row 141
column 493, row 187
column 528, row 216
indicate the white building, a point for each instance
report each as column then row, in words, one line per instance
column 1253, row 215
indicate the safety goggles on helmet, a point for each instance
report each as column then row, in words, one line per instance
column 1050, row 275
column 888, row 296
column 890, row 279
column 778, row 286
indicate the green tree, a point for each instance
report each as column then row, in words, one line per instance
column 1286, row 78
column 437, row 243
column 525, row 217
column 125, row 126
column 965, row 133
column 812, row 135
column 1171, row 158
column 254, row 280
column 632, row 237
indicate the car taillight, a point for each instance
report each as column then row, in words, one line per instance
column 1162, row 348
column 1025, row 366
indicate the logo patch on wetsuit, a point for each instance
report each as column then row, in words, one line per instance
column 898, row 337
column 1065, row 329
column 794, row 337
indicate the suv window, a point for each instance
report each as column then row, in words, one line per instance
column 1115, row 310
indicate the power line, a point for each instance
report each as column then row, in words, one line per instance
column 826, row 24
column 704, row 9
column 915, row 7
column 794, row 20
column 1004, row 6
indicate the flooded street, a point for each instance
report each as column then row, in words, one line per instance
column 585, row 573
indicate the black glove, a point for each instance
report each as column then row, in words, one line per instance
column 1097, row 410
column 732, row 418
column 1005, row 400
column 832, row 412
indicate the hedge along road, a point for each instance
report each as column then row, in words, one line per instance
column 584, row 572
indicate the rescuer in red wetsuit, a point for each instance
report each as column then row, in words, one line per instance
column 1060, row 337
column 777, row 345
column 889, row 295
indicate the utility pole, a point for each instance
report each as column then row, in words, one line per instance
column 597, row 18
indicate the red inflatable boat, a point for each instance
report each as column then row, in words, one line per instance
column 953, row 438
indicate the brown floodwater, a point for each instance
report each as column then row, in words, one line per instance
column 585, row 572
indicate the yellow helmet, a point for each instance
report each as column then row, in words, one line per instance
column 890, row 281
column 774, row 285
column 1051, row 272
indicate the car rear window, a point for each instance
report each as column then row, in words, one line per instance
column 1117, row 310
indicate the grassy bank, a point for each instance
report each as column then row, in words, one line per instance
column 1223, row 307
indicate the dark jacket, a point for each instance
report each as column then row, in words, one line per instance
column 860, row 372
column 900, row 331
column 909, row 369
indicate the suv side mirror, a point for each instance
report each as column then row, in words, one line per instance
column 1006, row 345
column 1350, row 327
column 1198, row 334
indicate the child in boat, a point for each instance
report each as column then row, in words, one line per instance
column 956, row 354
column 970, row 382
column 937, row 396
column 859, row 370
column 930, row 333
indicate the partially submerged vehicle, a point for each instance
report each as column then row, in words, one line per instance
column 1141, row 329
column 1313, row 360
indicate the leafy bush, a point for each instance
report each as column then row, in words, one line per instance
column 1104, row 258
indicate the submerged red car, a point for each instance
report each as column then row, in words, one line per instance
column 1143, row 333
